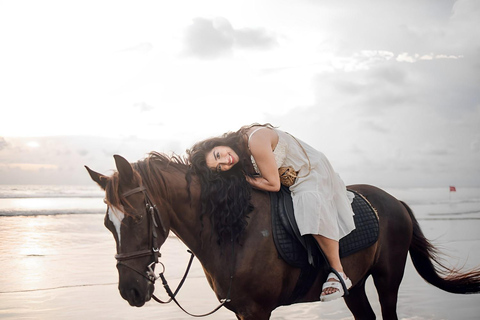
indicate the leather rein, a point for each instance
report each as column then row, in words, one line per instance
column 154, row 251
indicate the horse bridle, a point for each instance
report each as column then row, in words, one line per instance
column 154, row 251
column 154, row 248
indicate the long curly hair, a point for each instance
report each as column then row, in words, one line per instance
column 225, row 195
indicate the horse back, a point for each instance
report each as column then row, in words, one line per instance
column 395, row 230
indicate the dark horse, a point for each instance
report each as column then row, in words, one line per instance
column 252, row 275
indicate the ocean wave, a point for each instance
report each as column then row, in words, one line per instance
column 50, row 212
column 50, row 206
column 454, row 213
column 44, row 196
column 31, row 200
column 448, row 218
column 49, row 191
column 442, row 202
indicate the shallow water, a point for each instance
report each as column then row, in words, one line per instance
column 62, row 266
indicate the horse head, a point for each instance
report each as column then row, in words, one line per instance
column 138, row 229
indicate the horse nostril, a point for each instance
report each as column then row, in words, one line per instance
column 135, row 298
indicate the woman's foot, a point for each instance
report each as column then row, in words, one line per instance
column 333, row 288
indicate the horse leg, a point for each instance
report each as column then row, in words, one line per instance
column 387, row 282
column 387, row 289
column 357, row 302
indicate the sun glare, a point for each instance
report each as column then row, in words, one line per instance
column 33, row 144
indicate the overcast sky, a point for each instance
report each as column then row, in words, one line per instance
column 388, row 90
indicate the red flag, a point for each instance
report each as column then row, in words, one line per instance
column 453, row 189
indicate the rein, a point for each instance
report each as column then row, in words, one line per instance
column 152, row 212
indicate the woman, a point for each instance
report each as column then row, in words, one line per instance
column 321, row 202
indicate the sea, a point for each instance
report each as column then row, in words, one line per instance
column 57, row 260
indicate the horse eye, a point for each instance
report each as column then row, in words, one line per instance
column 138, row 218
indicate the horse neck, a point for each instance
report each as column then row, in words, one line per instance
column 182, row 210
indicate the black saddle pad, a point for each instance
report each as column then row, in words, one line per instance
column 301, row 251
column 366, row 227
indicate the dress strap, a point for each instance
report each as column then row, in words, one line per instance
column 251, row 134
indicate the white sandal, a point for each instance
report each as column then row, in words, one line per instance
column 335, row 285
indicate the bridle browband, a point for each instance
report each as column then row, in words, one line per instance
column 154, row 251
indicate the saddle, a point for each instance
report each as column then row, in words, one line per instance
column 303, row 251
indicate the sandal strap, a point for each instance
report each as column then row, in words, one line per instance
column 333, row 284
column 339, row 276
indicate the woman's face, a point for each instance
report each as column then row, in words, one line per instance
column 221, row 158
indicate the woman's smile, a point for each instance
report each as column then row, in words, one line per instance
column 221, row 158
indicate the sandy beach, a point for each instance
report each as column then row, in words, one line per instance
column 62, row 266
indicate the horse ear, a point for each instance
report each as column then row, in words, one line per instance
column 124, row 168
column 100, row 179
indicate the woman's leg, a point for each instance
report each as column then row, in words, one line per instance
column 331, row 250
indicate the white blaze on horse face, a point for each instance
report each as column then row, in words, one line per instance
column 116, row 215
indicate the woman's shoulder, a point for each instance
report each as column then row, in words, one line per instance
column 261, row 135
column 253, row 129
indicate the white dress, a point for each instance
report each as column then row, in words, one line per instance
column 321, row 201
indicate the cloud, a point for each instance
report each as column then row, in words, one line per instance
column 373, row 84
column 215, row 38
column 475, row 144
column 376, row 126
column 361, row 60
column 406, row 57
column 209, row 39
column 28, row 166
column 250, row 38
column 431, row 150
column 82, row 152
column 379, row 88
column 61, row 159
column 143, row 107
column 386, row 122
column 3, row 143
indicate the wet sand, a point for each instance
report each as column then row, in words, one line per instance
column 57, row 267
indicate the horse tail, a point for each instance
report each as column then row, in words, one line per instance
column 426, row 259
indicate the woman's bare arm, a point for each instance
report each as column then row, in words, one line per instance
column 261, row 146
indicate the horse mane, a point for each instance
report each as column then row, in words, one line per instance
column 153, row 168
column 148, row 172
column 225, row 200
